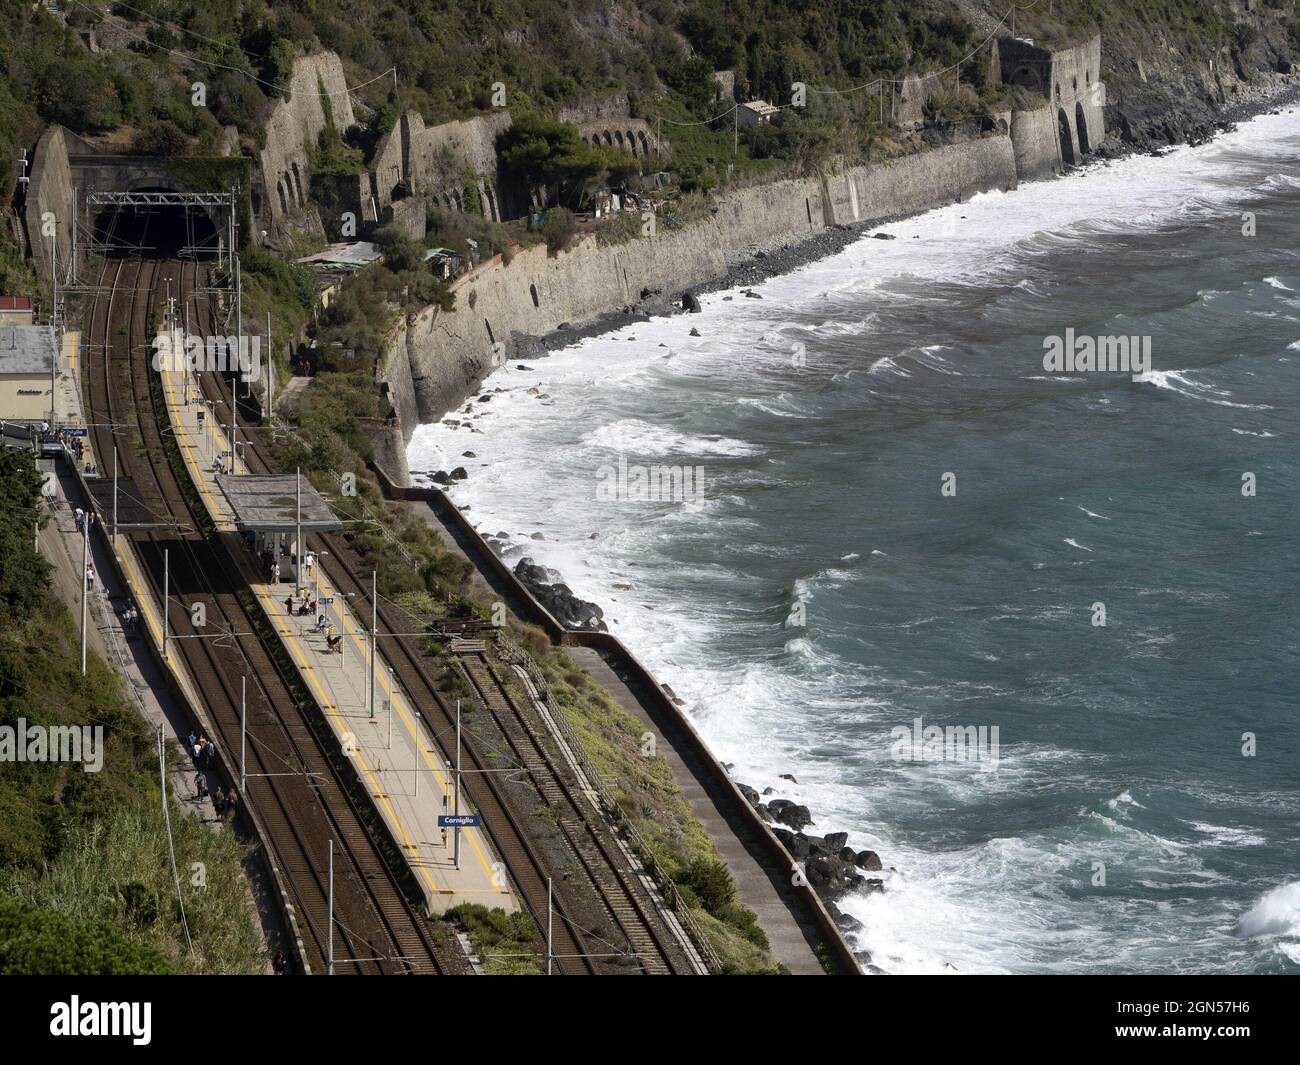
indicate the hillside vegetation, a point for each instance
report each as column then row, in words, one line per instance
column 550, row 55
column 85, row 881
column 655, row 58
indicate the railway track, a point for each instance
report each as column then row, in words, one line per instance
column 595, row 854
column 293, row 788
column 588, row 836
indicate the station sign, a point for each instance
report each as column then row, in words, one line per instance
column 459, row 821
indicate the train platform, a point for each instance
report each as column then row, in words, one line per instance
column 396, row 759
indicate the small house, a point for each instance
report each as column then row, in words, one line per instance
column 28, row 363
column 756, row 111
column 16, row 310
column 445, row 263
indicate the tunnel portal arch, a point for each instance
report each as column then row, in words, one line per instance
column 155, row 222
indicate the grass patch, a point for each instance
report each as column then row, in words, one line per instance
column 646, row 791
column 498, row 938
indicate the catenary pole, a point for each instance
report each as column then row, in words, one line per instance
column 243, row 731
column 455, row 806
column 166, row 604
column 85, row 582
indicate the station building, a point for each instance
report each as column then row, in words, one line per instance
column 28, row 365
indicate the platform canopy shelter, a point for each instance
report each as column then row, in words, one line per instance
column 274, row 512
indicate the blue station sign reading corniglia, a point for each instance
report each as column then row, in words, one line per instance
column 458, row 820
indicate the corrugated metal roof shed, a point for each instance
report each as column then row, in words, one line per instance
column 351, row 256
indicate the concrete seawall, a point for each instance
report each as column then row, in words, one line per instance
column 921, row 182
column 1033, row 134
column 445, row 354
column 437, row 358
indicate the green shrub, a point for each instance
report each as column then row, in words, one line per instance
column 559, row 227
column 39, row 942
column 159, row 136
column 711, row 882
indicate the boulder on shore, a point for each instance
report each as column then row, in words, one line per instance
column 558, row 598
column 796, row 817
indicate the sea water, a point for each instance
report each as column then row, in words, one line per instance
column 904, row 513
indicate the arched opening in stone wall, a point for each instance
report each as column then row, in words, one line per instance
column 284, row 204
column 157, row 232
column 532, row 291
column 1026, row 77
column 1081, row 124
column 1067, row 143
column 297, row 183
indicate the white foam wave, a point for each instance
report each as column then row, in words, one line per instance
column 766, row 408
column 1179, row 381
column 1277, row 912
column 1223, row 836
column 889, row 365
column 635, row 437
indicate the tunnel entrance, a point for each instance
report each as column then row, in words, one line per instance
column 1082, row 124
column 153, row 223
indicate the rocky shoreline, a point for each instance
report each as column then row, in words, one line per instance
column 549, row 589
column 832, row 868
